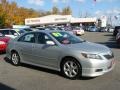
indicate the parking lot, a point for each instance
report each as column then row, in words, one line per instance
column 27, row 77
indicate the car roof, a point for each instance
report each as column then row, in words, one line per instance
column 48, row 31
column 6, row 29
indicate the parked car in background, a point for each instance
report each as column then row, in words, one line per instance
column 118, row 39
column 110, row 30
column 102, row 29
column 93, row 29
column 61, row 28
column 116, row 30
column 3, row 42
column 61, row 51
column 40, row 28
column 23, row 30
column 9, row 33
column 78, row 31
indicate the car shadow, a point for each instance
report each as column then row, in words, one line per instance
column 7, row 60
column 5, row 87
column 35, row 67
column 86, row 78
column 41, row 69
column 111, row 43
column 46, row 70
column 108, row 35
column 2, row 53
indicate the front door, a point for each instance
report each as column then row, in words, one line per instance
column 45, row 54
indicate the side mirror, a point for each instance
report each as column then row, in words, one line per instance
column 51, row 43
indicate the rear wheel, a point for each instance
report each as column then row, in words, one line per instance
column 71, row 68
column 15, row 58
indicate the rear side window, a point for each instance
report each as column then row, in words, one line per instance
column 4, row 32
column 30, row 38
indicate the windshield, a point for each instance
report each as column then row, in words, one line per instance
column 21, row 31
column 24, row 30
column 27, row 29
column 66, row 38
column 77, row 28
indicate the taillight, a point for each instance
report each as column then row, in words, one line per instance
column 2, row 42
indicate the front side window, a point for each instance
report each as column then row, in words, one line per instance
column 28, row 38
column 43, row 38
column 66, row 38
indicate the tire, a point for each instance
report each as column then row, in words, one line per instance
column 15, row 58
column 71, row 69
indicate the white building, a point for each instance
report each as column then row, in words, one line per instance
column 59, row 19
column 103, row 21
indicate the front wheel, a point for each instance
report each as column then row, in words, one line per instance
column 71, row 68
column 15, row 59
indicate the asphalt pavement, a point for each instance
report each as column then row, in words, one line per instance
column 28, row 77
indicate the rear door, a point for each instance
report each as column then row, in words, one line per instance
column 25, row 46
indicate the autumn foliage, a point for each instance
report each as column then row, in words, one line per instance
column 11, row 13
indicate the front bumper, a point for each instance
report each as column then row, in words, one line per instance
column 93, row 72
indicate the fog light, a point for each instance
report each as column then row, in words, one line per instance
column 99, row 70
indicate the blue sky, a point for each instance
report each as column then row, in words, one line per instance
column 98, row 8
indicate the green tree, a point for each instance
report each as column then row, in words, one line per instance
column 2, row 21
column 66, row 11
column 48, row 13
column 55, row 10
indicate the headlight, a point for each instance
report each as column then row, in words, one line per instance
column 2, row 42
column 91, row 56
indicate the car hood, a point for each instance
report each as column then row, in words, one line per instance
column 89, row 47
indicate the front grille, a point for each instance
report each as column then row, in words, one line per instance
column 107, row 56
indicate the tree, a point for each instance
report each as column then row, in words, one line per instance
column 66, row 11
column 55, row 10
column 11, row 13
column 48, row 13
column 2, row 17
column 14, row 14
column 2, row 21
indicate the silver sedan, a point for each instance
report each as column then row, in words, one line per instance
column 61, row 51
